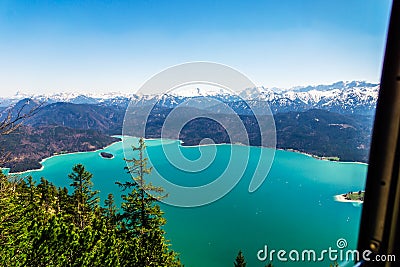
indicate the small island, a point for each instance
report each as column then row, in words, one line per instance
column 106, row 155
column 351, row 197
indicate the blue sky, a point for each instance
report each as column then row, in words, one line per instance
column 98, row 46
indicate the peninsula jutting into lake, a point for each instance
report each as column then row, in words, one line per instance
column 357, row 197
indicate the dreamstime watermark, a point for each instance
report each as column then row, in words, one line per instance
column 339, row 253
column 163, row 113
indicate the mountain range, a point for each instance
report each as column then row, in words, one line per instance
column 325, row 120
column 356, row 97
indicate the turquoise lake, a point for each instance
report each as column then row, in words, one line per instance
column 293, row 209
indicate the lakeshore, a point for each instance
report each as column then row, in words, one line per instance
column 64, row 154
column 181, row 143
column 330, row 158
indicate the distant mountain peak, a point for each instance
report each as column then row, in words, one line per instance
column 343, row 85
column 198, row 90
column 342, row 97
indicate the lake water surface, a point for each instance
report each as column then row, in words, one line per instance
column 293, row 209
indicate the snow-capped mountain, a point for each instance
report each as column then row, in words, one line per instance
column 342, row 97
column 198, row 90
column 111, row 98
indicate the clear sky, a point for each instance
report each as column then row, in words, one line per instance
column 97, row 46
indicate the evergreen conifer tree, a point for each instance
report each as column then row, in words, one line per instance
column 85, row 197
column 240, row 261
column 110, row 211
column 142, row 217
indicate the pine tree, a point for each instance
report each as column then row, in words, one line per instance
column 32, row 190
column 110, row 211
column 47, row 195
column 64, row 203
column 142, row 217
column 140, row 212
column 240, row 262
column 85, row 197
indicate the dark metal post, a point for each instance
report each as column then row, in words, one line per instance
column 379, row 221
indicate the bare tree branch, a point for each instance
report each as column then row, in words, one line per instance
column 12, row 123
column 14, row 120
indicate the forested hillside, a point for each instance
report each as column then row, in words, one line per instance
column 28, row 145
column 41, row 225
